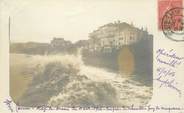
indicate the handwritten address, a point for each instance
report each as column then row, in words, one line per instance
column 168, row 61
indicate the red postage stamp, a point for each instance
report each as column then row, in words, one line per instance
column 171, row 19
column 164, row 6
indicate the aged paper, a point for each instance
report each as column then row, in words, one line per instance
column 92, row 56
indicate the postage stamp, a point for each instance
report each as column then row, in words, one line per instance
column 164, row 6
column 170, row 18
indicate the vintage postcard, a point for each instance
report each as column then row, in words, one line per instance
column 92, row 56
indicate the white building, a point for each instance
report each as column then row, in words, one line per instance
column 114, row 35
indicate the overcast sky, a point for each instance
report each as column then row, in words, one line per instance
column 41, row 20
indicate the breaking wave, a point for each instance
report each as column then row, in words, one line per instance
column 64, row 80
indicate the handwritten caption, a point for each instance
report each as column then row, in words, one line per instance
column 15, row 108
column 168, row 62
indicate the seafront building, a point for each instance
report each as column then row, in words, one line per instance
column 115, row 35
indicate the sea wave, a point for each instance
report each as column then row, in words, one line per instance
column 64, row 80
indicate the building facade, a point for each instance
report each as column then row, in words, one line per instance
column 59, row 42
column 115, row 35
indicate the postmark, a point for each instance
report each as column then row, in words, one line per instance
column 173, row 24
column 164, row 6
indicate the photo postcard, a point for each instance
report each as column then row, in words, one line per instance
column 92, row 55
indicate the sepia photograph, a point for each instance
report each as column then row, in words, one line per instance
column 81, row 53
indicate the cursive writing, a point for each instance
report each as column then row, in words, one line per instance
column 171, row 53
column 162, row 71
column 166, row 72
column 168, row 57
column 9, row 104
column 168, row 83
column 45, row 108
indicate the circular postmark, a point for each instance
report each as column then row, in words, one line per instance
column 173, row 24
